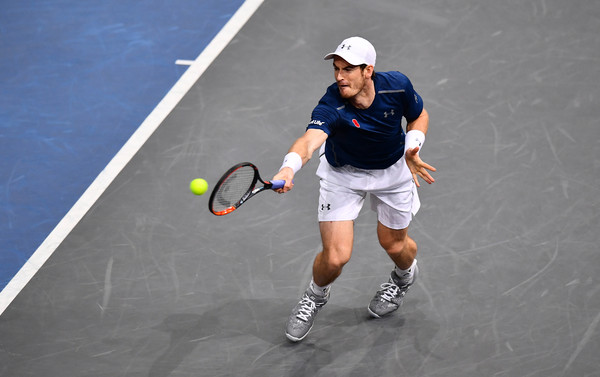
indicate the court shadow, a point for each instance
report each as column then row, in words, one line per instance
column 183, row 329
column 350, row 334
column 188, row 331
column 339, row 333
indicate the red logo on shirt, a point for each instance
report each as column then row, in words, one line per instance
column 356, row 123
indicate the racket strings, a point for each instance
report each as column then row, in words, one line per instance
column 234, row 188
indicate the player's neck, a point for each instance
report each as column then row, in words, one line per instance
column 364, row 99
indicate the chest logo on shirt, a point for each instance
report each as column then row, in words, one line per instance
column 386, row 114
column 356, row 123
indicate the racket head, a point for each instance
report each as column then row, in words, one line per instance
column 233, row 188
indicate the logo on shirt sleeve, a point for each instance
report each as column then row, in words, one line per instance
column 317, row 122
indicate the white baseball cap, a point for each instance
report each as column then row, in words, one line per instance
column 356, row 51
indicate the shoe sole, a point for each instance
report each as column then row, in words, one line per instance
column 372, row 313
column 295, row 339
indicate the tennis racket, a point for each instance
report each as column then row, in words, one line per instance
column 236, row 186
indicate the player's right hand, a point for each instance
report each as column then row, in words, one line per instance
column 287, row 174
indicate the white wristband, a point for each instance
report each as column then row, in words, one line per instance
column 414, row 138
column 292, row 160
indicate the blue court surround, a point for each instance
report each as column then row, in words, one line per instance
column 77, row 80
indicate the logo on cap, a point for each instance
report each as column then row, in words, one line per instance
column 356, row 51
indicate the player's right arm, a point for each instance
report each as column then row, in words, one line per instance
column 304, row 146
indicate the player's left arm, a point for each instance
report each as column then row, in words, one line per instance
column 414, row 142
column 421, row 123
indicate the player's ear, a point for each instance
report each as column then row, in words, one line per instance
column 368, row 71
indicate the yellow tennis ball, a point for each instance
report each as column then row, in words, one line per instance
column 198, row 186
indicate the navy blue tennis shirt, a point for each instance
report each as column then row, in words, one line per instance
column 370, row 138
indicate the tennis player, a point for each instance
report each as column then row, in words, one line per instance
column 357, row 125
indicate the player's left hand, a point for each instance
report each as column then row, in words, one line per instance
column 418, row 167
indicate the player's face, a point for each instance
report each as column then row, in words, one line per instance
column 350, row 78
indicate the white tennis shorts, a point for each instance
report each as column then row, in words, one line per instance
column 392, row 191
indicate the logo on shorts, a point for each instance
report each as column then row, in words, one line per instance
column 325, row 207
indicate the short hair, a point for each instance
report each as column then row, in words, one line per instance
column 363, row 66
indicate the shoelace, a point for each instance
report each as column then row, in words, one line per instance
column 389, row 291
column 307, row 306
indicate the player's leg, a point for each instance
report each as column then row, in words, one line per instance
column 337, row 237
column 392, row 232
column 399, row 246
column 338, row 207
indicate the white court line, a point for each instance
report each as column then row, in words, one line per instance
column 184, row 62
column 131, row 147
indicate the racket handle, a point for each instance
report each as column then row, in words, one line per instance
column 277, row 184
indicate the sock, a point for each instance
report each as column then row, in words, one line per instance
column 319, row 291
column 406, row 275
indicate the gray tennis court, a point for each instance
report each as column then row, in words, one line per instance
column 150, row 283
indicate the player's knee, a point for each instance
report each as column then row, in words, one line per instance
column 337, row 258
column 397, row 248
column 392, row 246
